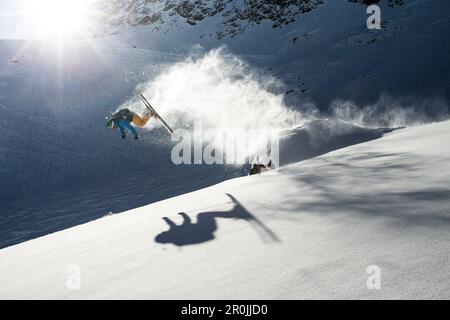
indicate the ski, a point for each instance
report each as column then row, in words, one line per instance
column 149, row 106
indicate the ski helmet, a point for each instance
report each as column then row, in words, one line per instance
column 110, row 124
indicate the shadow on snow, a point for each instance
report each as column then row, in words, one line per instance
column 203, row 230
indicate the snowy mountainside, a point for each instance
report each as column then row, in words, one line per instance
column 318, row 137
column 231, row 18
column 54, row 98
column 62, row 167
column 322, row 222
column 326, row 56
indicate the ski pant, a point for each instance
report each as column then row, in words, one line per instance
column 141, row 121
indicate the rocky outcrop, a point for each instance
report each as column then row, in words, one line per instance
column 234, row 15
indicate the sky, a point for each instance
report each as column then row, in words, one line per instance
column 37, row 18
column 14, row 21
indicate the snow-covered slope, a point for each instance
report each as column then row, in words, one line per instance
column 306, row 230
column 59, row 166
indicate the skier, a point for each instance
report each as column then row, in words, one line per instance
column 123, row 118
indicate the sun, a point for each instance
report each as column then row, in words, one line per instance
column 59, row 17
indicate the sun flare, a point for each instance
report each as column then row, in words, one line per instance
column 59, row 17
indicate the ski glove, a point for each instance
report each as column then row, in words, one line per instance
column 136, row 138
column 123, row 136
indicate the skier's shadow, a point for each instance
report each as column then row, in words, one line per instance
column 203, row 230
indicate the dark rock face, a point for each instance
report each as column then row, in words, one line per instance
column 391, row 3
column 235, row 16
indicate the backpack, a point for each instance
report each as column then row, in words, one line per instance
column 125, row 114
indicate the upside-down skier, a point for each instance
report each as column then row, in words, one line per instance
column 122, row 119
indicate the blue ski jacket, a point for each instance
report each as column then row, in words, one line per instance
column 122, row 120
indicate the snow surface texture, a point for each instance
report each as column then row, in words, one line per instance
column 307, row 230
column 61, row 166
column 324, row 79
